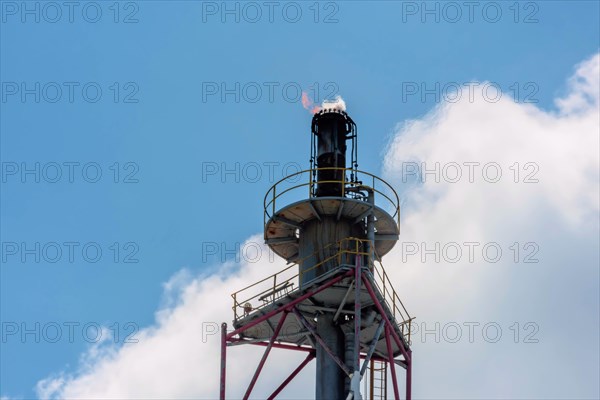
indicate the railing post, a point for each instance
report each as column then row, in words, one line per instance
column 310, row 183
column 235, row 306
column 343, row 182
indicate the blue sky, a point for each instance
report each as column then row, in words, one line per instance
column 164, row 129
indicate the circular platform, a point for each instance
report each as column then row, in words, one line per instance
column 281, row 230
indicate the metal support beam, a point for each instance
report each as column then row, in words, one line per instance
column 355, row 383
column 325, row 309
column 308, row 359
column 378, row 332
column 400, row 363
column 339, row 213
column 293, row 258
column 409, row 378
column 314, row 210
column 223, row 360
column 235, row 342
column 318, row 338
column 399, row 342
column 309, row 337
column 391, row 362
column 287, row 239
column 372, row 381
column 287, row 221
column 363, row 215
column 265, row 355
column 343, row 303
column 265, row 339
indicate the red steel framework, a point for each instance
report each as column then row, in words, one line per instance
column 389, row 333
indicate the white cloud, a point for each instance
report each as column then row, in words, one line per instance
column 559, row 214
column 559, row 294
column 178, row 357
column 583, row 86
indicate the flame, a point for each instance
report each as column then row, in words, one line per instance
column 336, row 104
column 308, row 104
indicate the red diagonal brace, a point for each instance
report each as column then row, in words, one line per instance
column 391, row 361
column 399, row 342
column 275, row 345
column 409, row 378
column 292, row 376
column 318, row 338
column 289, row 305
column 357, row 316
column 265, row 355
column 223, row 361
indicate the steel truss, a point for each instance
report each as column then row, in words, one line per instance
column 385, row 328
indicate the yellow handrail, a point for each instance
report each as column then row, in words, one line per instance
column 380, row 279
column 298, row 275
column 274, row 193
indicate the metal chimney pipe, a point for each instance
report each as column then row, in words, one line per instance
column 331, row 127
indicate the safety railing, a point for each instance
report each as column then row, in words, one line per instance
column 270, row 289
column 273, row 287
column 360, row 180
column 391, row 298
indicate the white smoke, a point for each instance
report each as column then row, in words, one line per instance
column 336, row 104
